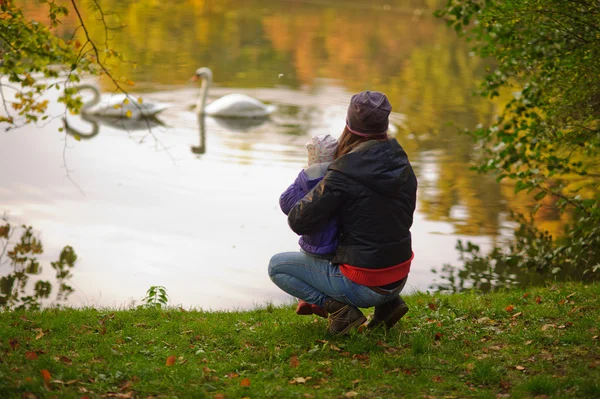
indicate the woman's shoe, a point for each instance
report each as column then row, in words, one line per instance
column 342, row 317
column 319, row 311
column 389, row 313
column 304, row 308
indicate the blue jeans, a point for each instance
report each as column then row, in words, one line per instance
column 314, row 279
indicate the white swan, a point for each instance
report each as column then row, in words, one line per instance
column 116, row 107
column 231, row 105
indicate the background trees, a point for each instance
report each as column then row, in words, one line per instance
column 545, row 52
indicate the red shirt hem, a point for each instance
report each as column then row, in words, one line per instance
column 376, row 277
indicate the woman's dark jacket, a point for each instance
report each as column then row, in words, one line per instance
column 372, row 191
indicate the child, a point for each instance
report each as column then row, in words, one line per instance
column 321, row 150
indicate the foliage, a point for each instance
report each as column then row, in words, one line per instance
column 156, row 296
column 35, row 59
column 547, row 137
column 23, row 263
column 515, row 343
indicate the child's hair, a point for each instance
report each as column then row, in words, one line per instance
column 321, row 149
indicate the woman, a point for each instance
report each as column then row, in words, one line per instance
column 370, row 188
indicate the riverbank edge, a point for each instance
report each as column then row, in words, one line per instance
column 535, row 342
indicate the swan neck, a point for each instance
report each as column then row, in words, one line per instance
column 206, row 82
column 94, row 101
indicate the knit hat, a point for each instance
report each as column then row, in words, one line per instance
column 321, row 149
column 368, row 114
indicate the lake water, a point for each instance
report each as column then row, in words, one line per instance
column 159, row 208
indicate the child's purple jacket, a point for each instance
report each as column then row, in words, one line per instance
column 326, row 240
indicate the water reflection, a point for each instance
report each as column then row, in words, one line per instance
column 201, row 147
column 307, row 58
column 126, row 124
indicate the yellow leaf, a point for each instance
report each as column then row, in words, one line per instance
column 128, row 114
column 40, row 333
column 171, row 361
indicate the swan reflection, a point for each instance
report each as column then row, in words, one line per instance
column 126, row 124
column 201, row 148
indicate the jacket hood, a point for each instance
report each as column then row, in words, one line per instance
column 382, row 166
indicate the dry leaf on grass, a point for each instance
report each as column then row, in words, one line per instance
column 245, row 382
column 170, row 361
column 294, row 362
column 351, row 394
column 46, row 375
column 31, row 355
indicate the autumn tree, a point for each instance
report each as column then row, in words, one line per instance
column 35, row 60
column 546, row 139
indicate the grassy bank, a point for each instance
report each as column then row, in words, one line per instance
column 533, row 343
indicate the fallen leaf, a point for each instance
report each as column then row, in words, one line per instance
column 14, row 344
column 65, row 360
column 561, row 302
column 509, row 308
column 525, row 295
column 219, row 396
column 294, row 362
column 351, row 394
column 571, row 295
column 520, row 368
column 545, row 327
column 171, row 361
column 245, row 382
column 432, row 306
column 517, row 315
column 232, row 375
column 355, row 382
column 31, row 355
column 298, row 380
column 28, row 395
column 528, row 342
column 438, row 336
column 436, row 378
column 46, row 375
column 125, row 385
column 538, row 300
column 595, row 337
column 40, row 333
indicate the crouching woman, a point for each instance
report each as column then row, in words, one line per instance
column 370, row 188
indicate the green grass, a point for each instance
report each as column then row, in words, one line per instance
column 541, row 342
